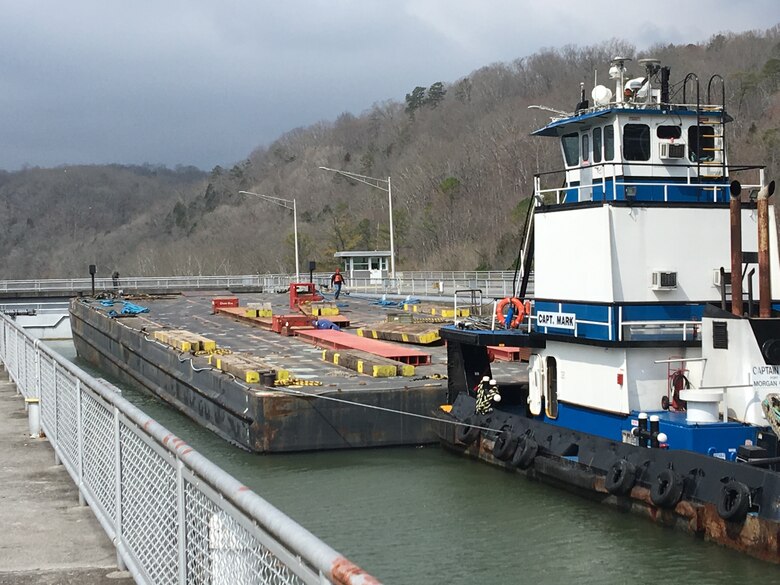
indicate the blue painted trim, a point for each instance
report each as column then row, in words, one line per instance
column 600, row 314
column 676, row 191
column 719, row 439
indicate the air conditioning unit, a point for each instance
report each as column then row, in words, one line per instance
column 672, row 150
column 716, row 281
column 663, row 280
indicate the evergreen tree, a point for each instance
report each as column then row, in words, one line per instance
column 435, row 95
column 415, row 100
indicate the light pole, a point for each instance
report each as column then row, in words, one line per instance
column 287, row 204
column 376, row 184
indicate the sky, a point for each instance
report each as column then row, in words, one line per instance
column 205, row 82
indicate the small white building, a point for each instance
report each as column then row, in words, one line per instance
column 368, row 264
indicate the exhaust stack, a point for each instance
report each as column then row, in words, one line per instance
column 764, row 288
column 736, row 249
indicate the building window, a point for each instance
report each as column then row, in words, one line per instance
column 597, row 145
column 636, row 142
column 609, row 143
column 571, row 149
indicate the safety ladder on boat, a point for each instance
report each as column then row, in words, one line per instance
column 710, row 148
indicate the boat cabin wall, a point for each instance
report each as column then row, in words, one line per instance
column 583, row 375
column 628, row 155
column 732, row 352
column 648, row 382
column 617, row 380
column 609, row 254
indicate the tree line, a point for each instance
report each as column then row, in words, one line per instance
column 459, row 154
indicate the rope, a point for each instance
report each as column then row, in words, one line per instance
column 297, row 382
column 218, row 351
column 384, row 409
column 771, row 408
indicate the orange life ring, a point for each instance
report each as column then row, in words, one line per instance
column 520, row 310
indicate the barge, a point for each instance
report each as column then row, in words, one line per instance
column 654, row 331
column 317, row 405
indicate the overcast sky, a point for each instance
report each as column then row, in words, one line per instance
column 204, row 82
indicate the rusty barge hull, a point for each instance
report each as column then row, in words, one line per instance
column 253, row 417
column 581, row 463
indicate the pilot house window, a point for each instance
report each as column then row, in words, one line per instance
column 636, row 142
column 609, row 142
column 597, row 145
column 571, row 149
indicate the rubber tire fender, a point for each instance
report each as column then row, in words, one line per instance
column 466, row 433
column 667, row 489
column 734, row 501
column 620, row 478
column 525, row 453
column 505, row 445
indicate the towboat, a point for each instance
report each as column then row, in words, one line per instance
column 653, row 334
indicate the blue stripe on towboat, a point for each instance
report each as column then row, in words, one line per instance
column 721, row 439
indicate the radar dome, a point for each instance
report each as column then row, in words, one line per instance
column 601, row 95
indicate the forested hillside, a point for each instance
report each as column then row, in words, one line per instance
column 458, row 151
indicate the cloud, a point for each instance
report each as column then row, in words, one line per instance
column 205, row 82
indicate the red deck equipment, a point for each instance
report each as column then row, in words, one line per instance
column 220, row 302
column 303, row 292
column 341, row 340
column 509, row 354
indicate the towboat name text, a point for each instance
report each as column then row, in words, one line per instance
column 560, row 320
column 766, row 376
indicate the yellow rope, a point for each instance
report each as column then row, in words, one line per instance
column 297, row 382
column 218, row 351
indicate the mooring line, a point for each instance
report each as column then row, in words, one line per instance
column 382, row 408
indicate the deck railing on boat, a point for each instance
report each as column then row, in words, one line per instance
column 612, row 182
column 615, row 328
column 173, row 516
column 658, row 330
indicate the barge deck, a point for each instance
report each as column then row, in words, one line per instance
column 319, row 405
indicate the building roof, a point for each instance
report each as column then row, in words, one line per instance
column 361, row 253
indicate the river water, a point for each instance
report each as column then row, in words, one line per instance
column 424, row 515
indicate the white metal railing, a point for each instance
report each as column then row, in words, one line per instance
column 682, row 330
column 415, row 283
column 613, row 171
column 174, row 517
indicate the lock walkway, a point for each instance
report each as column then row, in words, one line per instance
column 46, row 537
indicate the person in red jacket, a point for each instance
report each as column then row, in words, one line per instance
column 336, row 281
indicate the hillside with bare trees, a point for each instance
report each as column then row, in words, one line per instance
column 459, row 153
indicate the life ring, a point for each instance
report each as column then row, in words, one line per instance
column 667, row 489
column 734, row 501
column 520, row 311
column 620, row 477
column 525, row 453
column 466, row 433
column 505, row 445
